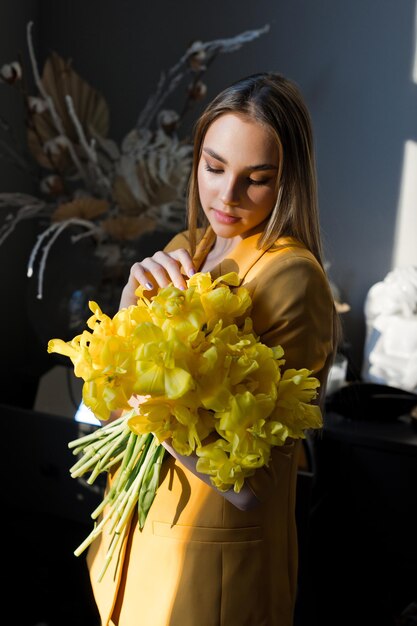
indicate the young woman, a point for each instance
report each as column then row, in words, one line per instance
column 204, row 557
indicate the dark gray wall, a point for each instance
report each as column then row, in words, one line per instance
column 22, row 356
column 13, row 19
column 352, row 60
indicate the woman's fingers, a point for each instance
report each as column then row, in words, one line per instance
column 185, row 260
column 128, row 297
column 160, row 270
column 166, row 269
column 150, row 274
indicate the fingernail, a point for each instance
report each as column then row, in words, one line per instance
column 191, row 272
column 149, row 286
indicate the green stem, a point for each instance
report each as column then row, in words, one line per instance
column 149, row 485
column 114, row 461
column 108, row 458
column 95, row 451
column 113, row 544
column 121, row 527
column 134, row 446
column 140, row 458
column 97, row 434
column 133, row 469
column 134, row 491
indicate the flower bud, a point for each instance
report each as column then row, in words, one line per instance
column 36, row 105
column 11, row 72
column 197, row 91
column 52, row 185
column 168, row 120
column 56, row 145
column 198, row 57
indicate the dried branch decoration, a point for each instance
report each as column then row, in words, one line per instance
column 114, row 194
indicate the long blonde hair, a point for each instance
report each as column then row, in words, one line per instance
column 276, row 103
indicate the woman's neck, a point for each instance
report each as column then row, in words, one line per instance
column 222, row 247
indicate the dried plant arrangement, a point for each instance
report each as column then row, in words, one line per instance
column 88, row 183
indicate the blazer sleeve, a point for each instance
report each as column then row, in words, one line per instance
column 293, row 307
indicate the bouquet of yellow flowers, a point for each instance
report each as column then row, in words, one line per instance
column 183, row 365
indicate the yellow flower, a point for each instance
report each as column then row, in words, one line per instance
column 105, row 394
column 155, row 417
column 162, row 364
column 104, row 358
column 294, row 409
column 254, row 366
column 186, row 425
column 196, row 368
column 246, row 410
column 214, row 387
column 212, row 458
column 224, row 468
column 177, row 309
column 218, row 300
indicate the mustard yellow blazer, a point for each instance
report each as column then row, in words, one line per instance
column 199, row 561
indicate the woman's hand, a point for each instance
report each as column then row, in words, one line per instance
column 159, row 270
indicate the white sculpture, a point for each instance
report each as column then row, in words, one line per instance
column 391, row 330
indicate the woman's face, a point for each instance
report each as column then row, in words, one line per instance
column 237, row 175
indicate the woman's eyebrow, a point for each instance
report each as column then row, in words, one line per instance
column 262, row 166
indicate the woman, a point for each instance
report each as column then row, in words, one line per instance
column 205, row 557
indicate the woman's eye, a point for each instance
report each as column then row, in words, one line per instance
column 258, row 183
column 213, row 169
column 251, row 181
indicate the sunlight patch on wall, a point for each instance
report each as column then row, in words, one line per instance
column 405, row 242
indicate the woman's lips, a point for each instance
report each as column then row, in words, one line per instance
column 225, row 218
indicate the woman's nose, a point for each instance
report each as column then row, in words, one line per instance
column 230, row 194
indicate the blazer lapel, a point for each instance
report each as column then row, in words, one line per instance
column 242, row 258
